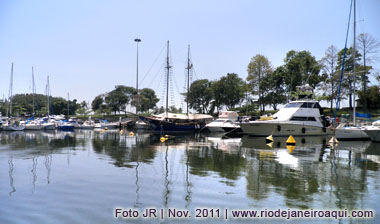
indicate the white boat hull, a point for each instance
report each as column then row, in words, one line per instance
column 283, row 129
column 48, row 126
column 33, row 127
column 13, row 128
column 350, row 133
column 373, row 132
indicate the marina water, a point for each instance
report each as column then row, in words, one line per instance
column 83, row 176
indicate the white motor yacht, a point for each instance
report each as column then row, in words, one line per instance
column 298, row 118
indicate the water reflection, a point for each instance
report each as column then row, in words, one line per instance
column 245, row 171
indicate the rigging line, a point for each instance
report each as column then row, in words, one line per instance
column 342, row 70
column 152, row 65
column 180, row 95
column 156, row 75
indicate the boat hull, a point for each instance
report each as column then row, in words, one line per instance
column 48, row 126
column 33, row 127
column 283, row 129
column 13, row 128
column 350, row 133
column 373, row 133
column 66, row 128
column 159, row 125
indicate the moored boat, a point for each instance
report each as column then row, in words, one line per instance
column 299, row 118
column 226, row 122
column 373, row 131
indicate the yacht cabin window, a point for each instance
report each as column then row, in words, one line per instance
column 298, row 118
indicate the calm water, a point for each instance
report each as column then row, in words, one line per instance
column 81, row 177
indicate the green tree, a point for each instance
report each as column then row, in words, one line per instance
column 231, row 90
column 97, row 102
column 371, row 97
column 301, row 68
column 329, row 63
column 368, row 46
column 258, row 68
column 200, row 95
column 347, row 86
column 116, row 100
column 146, row 100
column 274, row 88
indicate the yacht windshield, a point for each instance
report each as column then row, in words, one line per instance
column 293, row 105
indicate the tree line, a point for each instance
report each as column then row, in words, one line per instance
column 37, row 105
column 273, row 86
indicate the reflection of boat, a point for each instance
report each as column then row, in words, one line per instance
column 225, row 144
column 225, row 122
column 280, row 142
column 355, row 146
column 300, row 118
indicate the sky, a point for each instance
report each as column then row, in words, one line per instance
column 87, row 47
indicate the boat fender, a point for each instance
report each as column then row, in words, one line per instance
column 324, row 129
column 278, row 127
column 303, row 130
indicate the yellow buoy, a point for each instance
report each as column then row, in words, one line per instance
column 162, row 139
column 290, row 141
column 269, row 138
column 290, row 148
column 270, row 144
column 106, row 128
column 121, row 132
column 131, row 133
column 333, row 140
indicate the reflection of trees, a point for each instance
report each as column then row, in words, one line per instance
column 207, row 159
column 343, row 185
column 118, row 148
column 40, row 139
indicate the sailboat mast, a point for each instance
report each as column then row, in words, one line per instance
column 68, row 105
column 167, row 80
column 354, row 68
column 48, row 96
column 33, row 89
column 188, row 80
column 9, row 111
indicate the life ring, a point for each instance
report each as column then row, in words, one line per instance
column 278, row 128
column 303, row 130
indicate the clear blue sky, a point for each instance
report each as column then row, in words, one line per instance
column 87, row 47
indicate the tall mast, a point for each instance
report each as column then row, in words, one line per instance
column 9, row 111
column 48, row 96
column 354, row 55
column 137, row 73
column 68, row 105
column 167, row 80
column 33, row 89
column 188, row 79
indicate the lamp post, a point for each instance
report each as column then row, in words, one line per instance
column 137, row 72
